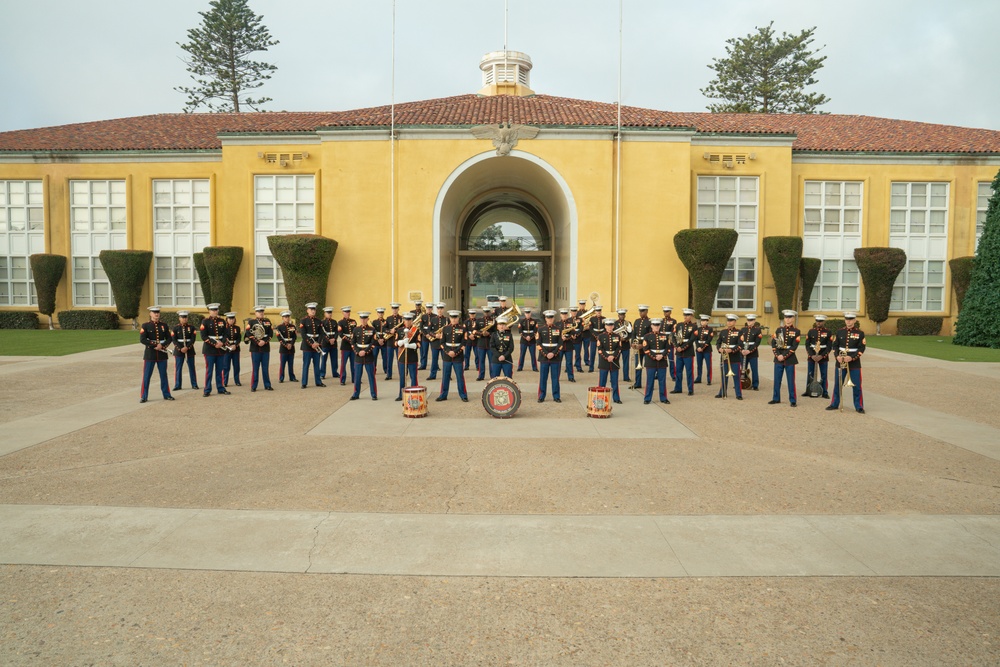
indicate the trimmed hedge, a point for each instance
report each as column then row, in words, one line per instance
column 222, row 264
column 808, row 272
column 170, row 318
column 88, row 319
column 879, row 268
column 18, row 319
column 961, row 277
column 127, row 271
column 47, row 271
column 834, row 323
column 705, row 253
column 305, row 261
column 784, row 255
column 206, row 283
column 979, row 320
column 919, row 326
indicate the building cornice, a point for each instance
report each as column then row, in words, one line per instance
column 268, row 139
column 112, row 157
column 744, row 140
column 935, row 159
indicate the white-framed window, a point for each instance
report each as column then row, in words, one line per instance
column 181, row 227
column 983, row 195
column 98, row 222
column 918, row 223
column 920, row 286
column 733, row 202
column 22, row 234
column 831, row 230
column 282, row 205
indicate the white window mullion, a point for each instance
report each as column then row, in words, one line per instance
column 22, row 233
column 919, row 226
column 282, row 205
column 181, row 227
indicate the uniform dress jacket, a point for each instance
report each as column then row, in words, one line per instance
column 703, row 338
column 792, row 338
column 685, row 334
column 453, row 340
column 329, row 337
column 345, row 327
column 390, row 332
column 820, row 335
column 152, row 334
column 550, row 341
column 608, row 344
column 286, row 338
column 730, row 340
column 234, row 336
column 483, row 337
column 654, row 344
column 529, row 329
column 501, row 343
column 752, row 336
column 268, row 335
column 184, row 336
column 213, row 329
column 853, row 340
column 311, row 329
column 406, row 355
column 640, row 328
column 363, row 340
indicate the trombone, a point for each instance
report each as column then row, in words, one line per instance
column 845, row 372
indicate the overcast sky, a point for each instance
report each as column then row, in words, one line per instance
column 66, row 61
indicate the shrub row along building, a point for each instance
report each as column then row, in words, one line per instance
column 601, row 215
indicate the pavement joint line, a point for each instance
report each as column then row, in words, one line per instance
column 819, row 529
column 194, row 513
column 673, row 551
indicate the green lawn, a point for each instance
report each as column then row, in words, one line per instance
column 936, row 347
column 56, row 343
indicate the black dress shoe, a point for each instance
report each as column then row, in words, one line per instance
column 281, row 380
column 860, row 411
column 194, row 386
column 697, row 381
column 794, row 405
column 143, row 400
column 773, row 402
column 832, row 407
column 441, row 398
column 690, row 393
column 268, row 388
column 557, row 400
column 541, row 400
column 465, row 399
column 354, row 398
column 667, row 402
column 176, row 389
column 618, row 402
column 646, row 402
column 169, row 398
column 293, row 379
column 238, row 384
column 756, row 388
column 826, row 395
column 374, row 398
column 572, row 379
column 252, row 390
column 206, row 394
column 226, row 393
column 718, row 395
column 805, row 393
column 709, row 383
column 739, row 398
column 320, row 384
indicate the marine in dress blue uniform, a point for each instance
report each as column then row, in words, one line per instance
column 286, row 347
column 528, row 327
column 328, row 345
column 452, row 354
column 729, row 346
column 213, row 333
column 752, row 335
column 654, row 346
column 668, row 327
column 703, row 348
column 640, row 328
column 260, row 349
column 155, row 337
column 363, row 345
column 571, row 335
column 234, row 340
column 818, row 349
column 379, row 325
column 549, row 348
column 184, row 340
column 311, row 329
column 848, row 344
column 469, row 325
column 580, row 337
column 437, row 322
column 783, row 344
column 501, row 350
column 344, row 328
column 608, row 351
column 484, row 329
column 684, row 352
column 422, row 321
column 626, row 343
column 595, row 325
column 393, row 325
column 407, row 353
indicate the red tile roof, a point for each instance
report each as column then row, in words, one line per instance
column 184, row 132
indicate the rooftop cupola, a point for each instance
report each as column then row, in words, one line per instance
column 506, row 73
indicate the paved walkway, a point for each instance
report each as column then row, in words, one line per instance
column 507, row 546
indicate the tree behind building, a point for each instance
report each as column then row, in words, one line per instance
column 763, row 73
column 219, row 60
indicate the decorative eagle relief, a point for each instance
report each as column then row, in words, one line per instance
column 504, row 137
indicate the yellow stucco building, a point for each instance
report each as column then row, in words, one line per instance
column 406, row 190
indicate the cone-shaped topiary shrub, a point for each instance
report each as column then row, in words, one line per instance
column 961, row 276
column 305, row 261
column 784, row 254
column 705, row 253
column 47, row 271
column 127, row 271
column 979, row 320
column 222, row 264
column 206, row 283
column 808, row 272
column 879, row 268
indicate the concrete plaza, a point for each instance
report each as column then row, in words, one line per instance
column 297, row 527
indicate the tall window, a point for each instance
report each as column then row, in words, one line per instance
column 982, row 200
column 282, row 205
column 97, row 211
column 732, row 202
column 831, row 232
column 918, row 223
column 22, row 233
column 181, row 227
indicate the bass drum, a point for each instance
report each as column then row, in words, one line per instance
column 501, row 397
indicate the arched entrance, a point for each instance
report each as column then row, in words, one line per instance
column 530, row 203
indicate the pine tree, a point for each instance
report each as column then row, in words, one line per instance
column 979, row 320
column 762, row 73
column 219, row 61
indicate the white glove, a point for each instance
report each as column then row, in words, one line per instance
column 411, row 346
column 400, row 343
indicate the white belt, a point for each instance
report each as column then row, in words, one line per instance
column 657, row 351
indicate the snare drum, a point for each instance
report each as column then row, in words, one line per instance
column 501, row 397
column 599, row 402
column 415, row 402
